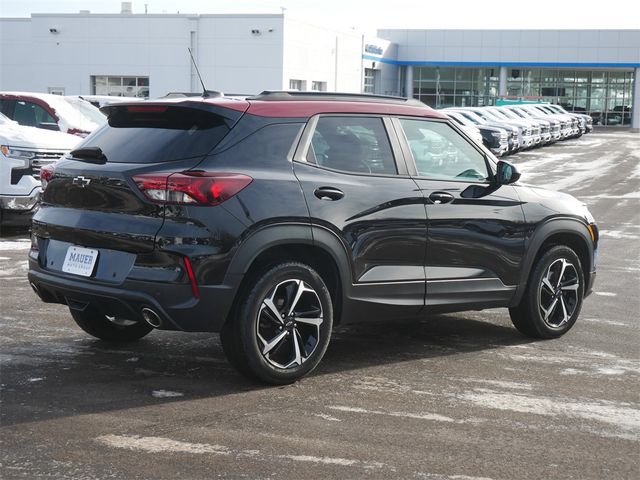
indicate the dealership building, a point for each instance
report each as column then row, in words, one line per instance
column 592, row 71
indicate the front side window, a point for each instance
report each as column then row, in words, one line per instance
column 442, row 153
column 352, row 144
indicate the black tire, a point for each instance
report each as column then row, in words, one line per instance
column 562, row 305
column 300, row 341
column 98, row 325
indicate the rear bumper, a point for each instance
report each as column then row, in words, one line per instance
column 174, row 303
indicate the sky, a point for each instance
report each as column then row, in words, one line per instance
column 367, row 16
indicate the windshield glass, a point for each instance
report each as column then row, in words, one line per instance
column 87, row 110
column 4, row 120
column 474, row 117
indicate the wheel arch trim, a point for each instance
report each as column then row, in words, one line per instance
column 547, row 229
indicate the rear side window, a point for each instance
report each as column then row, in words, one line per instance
column 152, row 133
column 352, row 144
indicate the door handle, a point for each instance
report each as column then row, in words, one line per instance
column 441, row 197
column 328, row 193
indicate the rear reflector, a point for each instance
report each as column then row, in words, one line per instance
column 192, row 278
column 191, row 188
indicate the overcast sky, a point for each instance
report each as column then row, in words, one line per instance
column 370, row 15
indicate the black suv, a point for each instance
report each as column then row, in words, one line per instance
column 273, row 218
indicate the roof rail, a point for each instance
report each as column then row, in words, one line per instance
column 281, row 95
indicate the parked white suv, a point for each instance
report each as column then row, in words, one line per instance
column 23, row 152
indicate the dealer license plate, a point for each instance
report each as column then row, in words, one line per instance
column 80, row 261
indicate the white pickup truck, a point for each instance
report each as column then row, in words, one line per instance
column 23, row 152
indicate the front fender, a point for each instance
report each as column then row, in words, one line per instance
column 544, row 231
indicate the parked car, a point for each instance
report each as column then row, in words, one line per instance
column 496, row 139
column 51, row 112
column 532, row 136
column 559, row 128
column 525, row 129
column 514, row 132
column 274, row 218
column 23, row 152
column 545, row 126
column 587, row 120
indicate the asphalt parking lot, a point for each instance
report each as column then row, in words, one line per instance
column 461, row 396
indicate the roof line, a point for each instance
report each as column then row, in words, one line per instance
column 420, row 63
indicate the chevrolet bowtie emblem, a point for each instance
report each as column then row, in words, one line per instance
column 81, row 181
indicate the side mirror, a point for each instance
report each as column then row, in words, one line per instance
column 507, row 173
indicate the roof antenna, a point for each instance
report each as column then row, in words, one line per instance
column 205, row 92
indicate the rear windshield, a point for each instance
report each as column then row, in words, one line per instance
column 152, row 133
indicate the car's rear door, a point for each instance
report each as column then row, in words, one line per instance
column 475, row 229
column 358, row 191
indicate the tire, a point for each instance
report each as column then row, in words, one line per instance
column 279, row 349
column 98, row 325
column 545, row 310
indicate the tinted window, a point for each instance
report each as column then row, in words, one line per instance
column 352, row 144
column 160, row 134
column 31, row 115
column 441, row 153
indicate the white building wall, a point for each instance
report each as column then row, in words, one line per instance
column 86, row 45
column 313, row 53
column 232, row 59
column 235, row 53
column 516, row 46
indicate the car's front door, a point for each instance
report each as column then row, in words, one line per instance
column 358, row 191
column 475, row 228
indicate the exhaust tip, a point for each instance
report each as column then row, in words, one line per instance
column 151, row 317
column 35, row 289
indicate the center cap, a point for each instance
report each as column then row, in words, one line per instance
column 289, row 324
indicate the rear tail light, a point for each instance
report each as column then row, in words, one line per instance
column 46, row 174
column 191, row 188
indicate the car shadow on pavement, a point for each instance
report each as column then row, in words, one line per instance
column 60, row 377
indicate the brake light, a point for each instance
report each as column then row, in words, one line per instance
column 147, row 109
column 191, row 188
column 46, row 174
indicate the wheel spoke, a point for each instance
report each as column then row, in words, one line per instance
column 299, row 293
column 297, row 360
column 311, row 321
column 547, row 313
column 268, row 346
column 565, row 316
column 564, row 267
column 273, row 310
column 547, row 283
column 573, row 286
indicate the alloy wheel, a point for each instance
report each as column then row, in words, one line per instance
column 288, row 324
column 559, row 291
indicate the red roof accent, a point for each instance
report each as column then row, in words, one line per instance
column 305, row 109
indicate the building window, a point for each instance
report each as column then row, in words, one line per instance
column 442, row 87
column 370, row 75
column 605, row 95
column 319, row 86
column 116, row 86
column 299, row 85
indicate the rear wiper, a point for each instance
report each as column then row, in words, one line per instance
column 89, row 154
